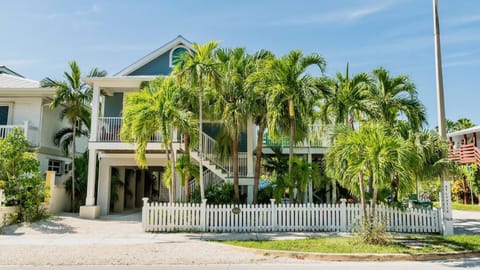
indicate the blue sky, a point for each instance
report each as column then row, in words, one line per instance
column 40, row 37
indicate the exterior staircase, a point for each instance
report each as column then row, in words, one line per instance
column 217, row 170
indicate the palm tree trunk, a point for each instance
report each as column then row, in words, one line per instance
column 362, row 198
column 235, row 167
column 200, row 140
column 292, row 134
column 167, row 149
column 374, row 204
column 258, row 161
column 74, row 150
column 186, row 141
column 465, row 193
column 174, row 182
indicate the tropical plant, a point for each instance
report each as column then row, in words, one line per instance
column 345, row 99
column 394, row 97
column 258, row 87
column 186, row 171
column 153, row 110
column 293, row 94
column 372, row 151
column 19, row 170
column 74, row 96
column 197, row 69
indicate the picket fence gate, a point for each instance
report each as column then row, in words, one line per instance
column 343, row 217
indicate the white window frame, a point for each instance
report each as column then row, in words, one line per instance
column 60, row 166
column 170, row 59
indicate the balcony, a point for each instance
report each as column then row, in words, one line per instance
column 465, row 154
column 315, row 138
column 109, row 130
column 30, row 132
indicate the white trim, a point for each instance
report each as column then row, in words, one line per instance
column 151, row 56
column 170, row 60
column 464, row 131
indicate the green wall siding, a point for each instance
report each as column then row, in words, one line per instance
column 113, row 105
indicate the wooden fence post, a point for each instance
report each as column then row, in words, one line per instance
column 273, row 209
column 203, row 215
column 145, row 220
column 343, row 215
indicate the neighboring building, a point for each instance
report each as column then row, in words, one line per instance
column 116, row 159
column 463, row 146
column 25, row 104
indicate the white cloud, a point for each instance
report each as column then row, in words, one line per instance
column 92, row 10
column 17, row 62
column 341, row 16
column 463, row 20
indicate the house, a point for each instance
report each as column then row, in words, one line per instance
column 116, row 159
column 25, row 104
column 463, row 146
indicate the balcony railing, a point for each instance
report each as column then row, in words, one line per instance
column 30, row 132
column 109, row 130
column 467, row 153
column 315, row 138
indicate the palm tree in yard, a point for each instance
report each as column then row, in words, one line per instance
column 394, row 97
column 258, row 87
column 74, row 96
column 346, row 99
column 372, row 151
column 293, row 94
column 153, row 110
column 196, row 69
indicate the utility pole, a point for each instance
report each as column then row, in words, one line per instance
column 445, row 194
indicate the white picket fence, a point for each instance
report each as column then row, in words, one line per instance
column 168, row 217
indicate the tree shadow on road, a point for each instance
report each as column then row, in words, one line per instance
column 47, row 226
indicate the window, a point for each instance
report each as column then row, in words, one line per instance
column 56, row 166
column 4, row 114
column 175, row 53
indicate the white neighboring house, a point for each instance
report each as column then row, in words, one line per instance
column 25, row 104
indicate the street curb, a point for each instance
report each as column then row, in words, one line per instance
column 360, row 257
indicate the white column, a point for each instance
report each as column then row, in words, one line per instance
column 95, row 110
column 104, row 179
column 92, row 166
column 250, row 147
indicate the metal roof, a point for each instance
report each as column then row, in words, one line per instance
column 464, row 131
column 11, row 82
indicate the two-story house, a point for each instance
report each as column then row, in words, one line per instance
column 25, row 104
column 116, row 159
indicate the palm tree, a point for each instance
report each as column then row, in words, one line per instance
column 231, row 101
column 195, row 69
column 74, row 95
column 258, row 89
column 373, row 151
column 345, row 99
column 152, row 110
column 293, row 94
column 393, row 97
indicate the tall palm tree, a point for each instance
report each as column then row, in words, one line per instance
column 258, row 88
column 293, row 94
column 394, row 97
column 152, row 110
column 74, row 95
column 231, row 100
column 196, row 69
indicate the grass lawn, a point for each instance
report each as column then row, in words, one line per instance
column 351, row 245
column 461, row 206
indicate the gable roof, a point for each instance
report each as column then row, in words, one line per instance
column 5, row 70
column 12, row 82
column 153, row 55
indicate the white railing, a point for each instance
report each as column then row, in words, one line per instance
column 280, row 218
column 30, row 132
column 109, row 130
column 209, row 144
